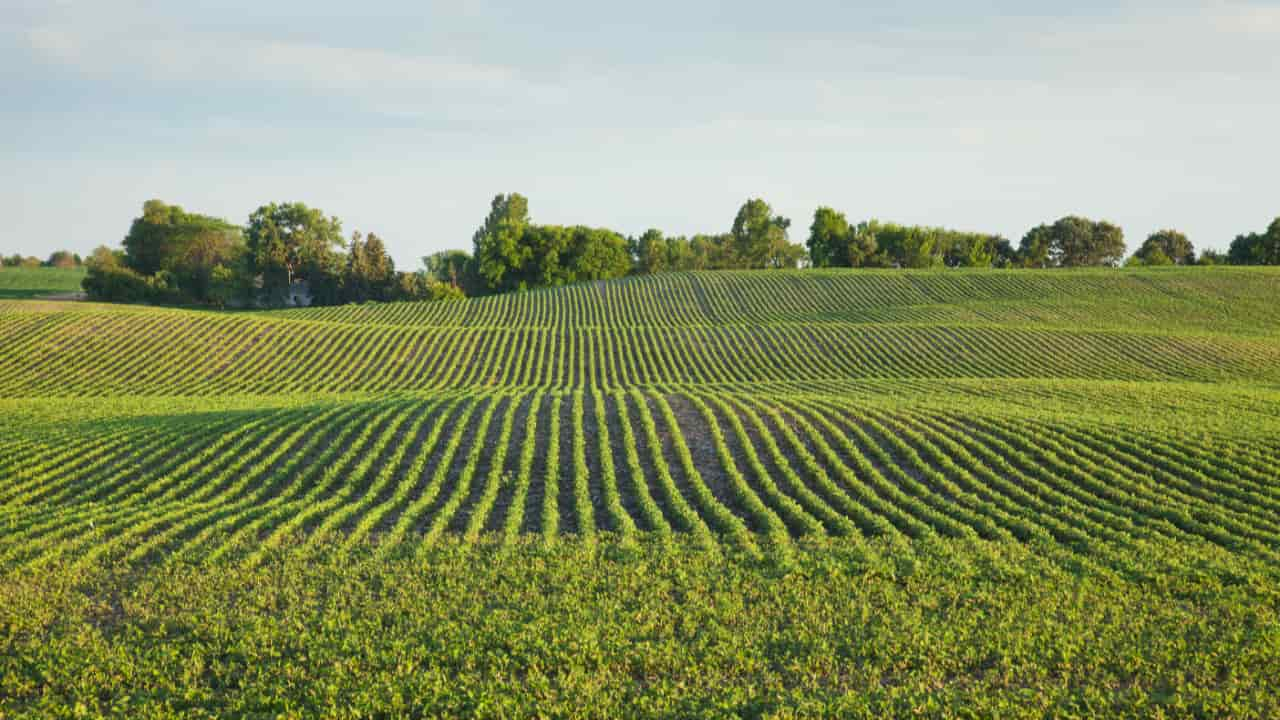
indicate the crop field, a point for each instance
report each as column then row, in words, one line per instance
column 17, row 282
column 790, row 493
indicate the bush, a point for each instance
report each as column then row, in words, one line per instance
column 115, row 283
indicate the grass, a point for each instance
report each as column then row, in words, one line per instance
column 21, row 283
column 958, row 494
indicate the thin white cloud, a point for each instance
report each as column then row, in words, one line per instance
column 357, row 69
column 181, row 56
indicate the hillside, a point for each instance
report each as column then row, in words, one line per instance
column 734, row 405
column 1116, row 431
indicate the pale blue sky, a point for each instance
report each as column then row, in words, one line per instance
column 405, row 118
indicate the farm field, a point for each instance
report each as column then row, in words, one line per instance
column 778, row 493
column 19, row 283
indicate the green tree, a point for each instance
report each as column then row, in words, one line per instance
column 680, row 255
column 546, row 258
column 1073, row 241
column 110, row 280
column 291, row 242
column 160, row 238
column 62, row 259
column 652, row 253
column 499, row 252
column 1080, row 242
column 1005, row 254
column 1209, row 256
column 1174, row 246
column 422, row 286
column 760, row 238
column 712, row 252
column 449, row 266
column 863, row 249
column 969, row 249
column 1036, row 248
column 370, row 273
column 829, row 239
column 597, row 254
column 203, row 255
column 1153, row 258
column 1257, row 248
column 906, row 246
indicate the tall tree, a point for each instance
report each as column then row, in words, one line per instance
column 207, row 259
column 499, row 253
column 863, row 247
column 760, row 238
column 370, row 273
column 652, row 253
column 291, row 242
column 829, row 237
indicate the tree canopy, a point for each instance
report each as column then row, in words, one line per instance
column 1257, row 248
column 1073, row 241
column 1166, row 247
column 512, row 253
column 760, row 238
column 290, row 242
column 828, row 241
column 501, row 251
column 833, row 242
column 174, row 257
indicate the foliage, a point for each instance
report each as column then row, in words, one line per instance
column 511, row 253
column 1154, row 257
column 110, row 279
column 947, row 628
column 821, row 492
column 370, row 272
column 1166, row 247
column 291, row 242
column 166, row 237
column 500, row 251
column 829, row 236
column 1073, row 241
column 19, row 261
column 62, row 259
column 760, row 238
column 1257, row 249
column 171, row 256
column 1209, row 256
column 421, row 286
column 456, row 268
column 833, row 242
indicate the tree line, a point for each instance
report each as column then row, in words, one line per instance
column 57, row 259
column 286, row 254
column 1071, row 241
column 290, row 253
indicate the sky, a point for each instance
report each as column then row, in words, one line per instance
column 405, row 118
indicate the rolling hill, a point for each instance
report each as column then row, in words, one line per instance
column 1113, row 434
